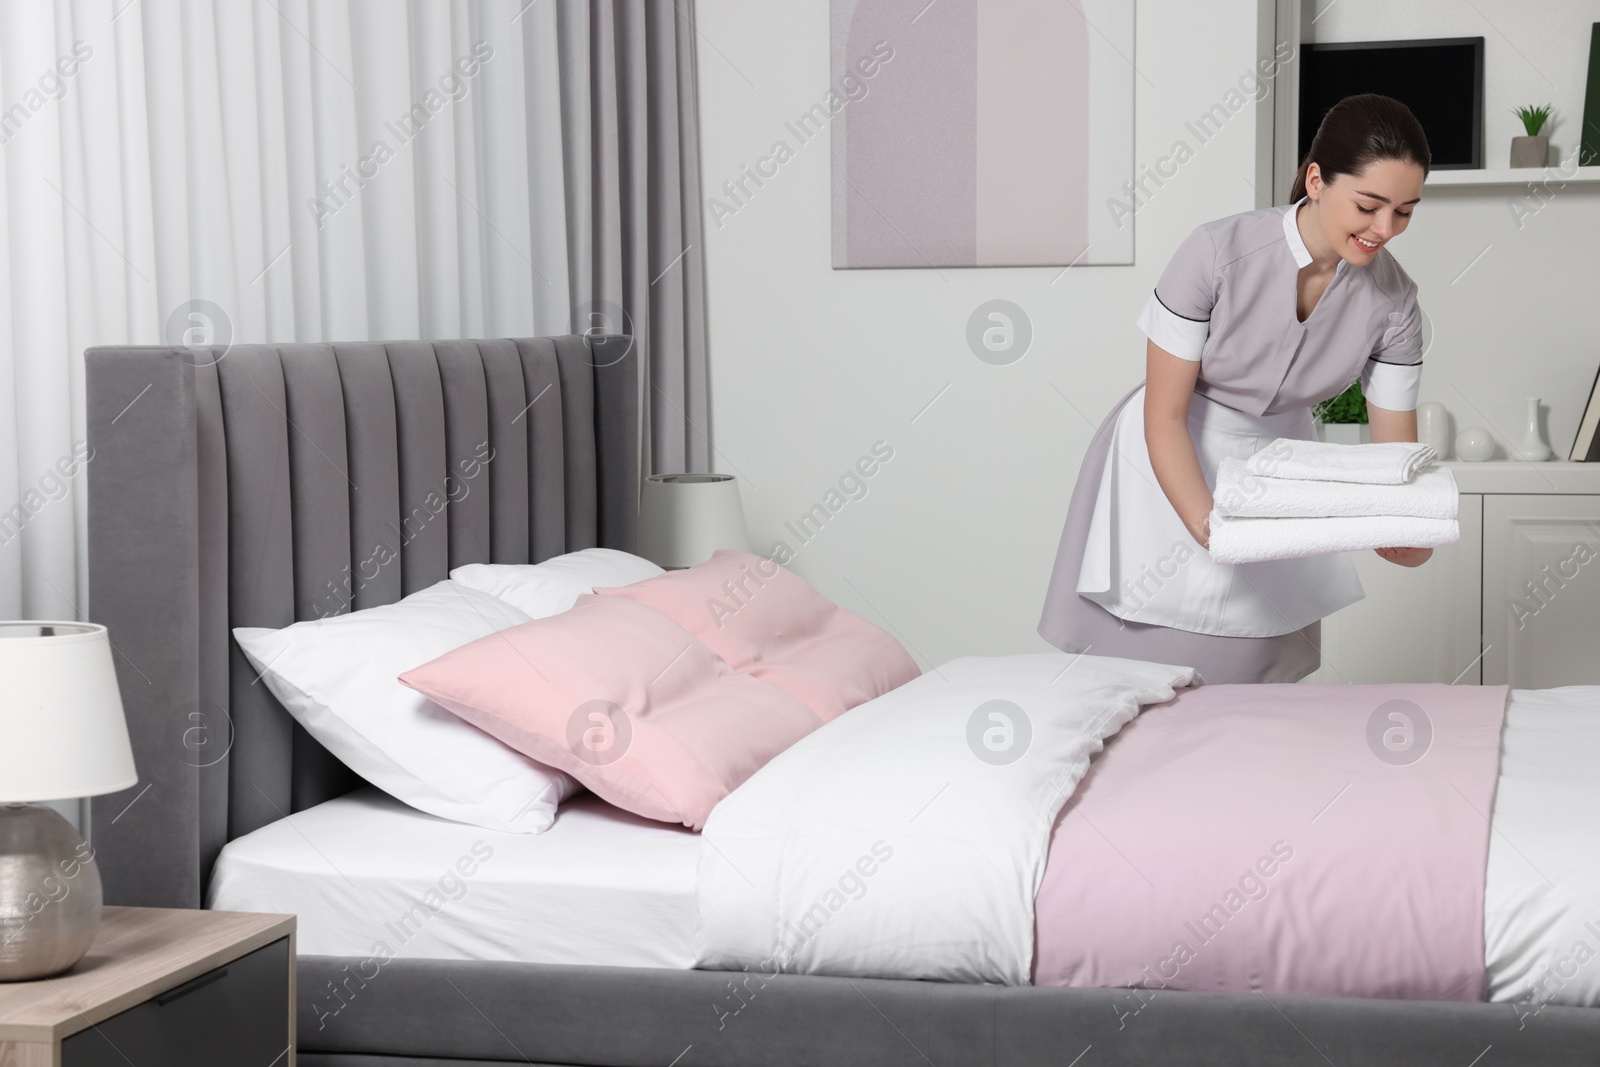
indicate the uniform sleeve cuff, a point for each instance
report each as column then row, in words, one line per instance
column 1391, row 386
column 1184, row 338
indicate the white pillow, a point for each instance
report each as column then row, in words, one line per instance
column 338, row 677
column 549, row 588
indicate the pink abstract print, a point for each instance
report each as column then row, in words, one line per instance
column 992, row 135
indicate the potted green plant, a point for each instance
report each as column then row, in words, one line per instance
column 1343, row 419
column 1534, row 149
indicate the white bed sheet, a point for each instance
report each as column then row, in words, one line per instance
column 362, row 871
column 605, row 887
column 1542, row 886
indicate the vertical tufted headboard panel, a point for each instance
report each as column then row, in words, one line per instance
column 266, row 484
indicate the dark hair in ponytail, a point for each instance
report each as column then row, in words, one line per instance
column 1359, row 131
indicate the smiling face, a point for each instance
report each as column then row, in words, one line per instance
column 1360, row 213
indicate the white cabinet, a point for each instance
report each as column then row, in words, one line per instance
column 1516, row 602
column 1541, row 590
column 1416, row 624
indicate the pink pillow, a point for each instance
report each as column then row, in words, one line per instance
column 624, row 700
column 768, row 623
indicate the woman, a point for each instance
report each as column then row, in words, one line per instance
column 1257, row 318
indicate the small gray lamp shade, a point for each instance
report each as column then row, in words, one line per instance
column 683, row 518
column 62, row 735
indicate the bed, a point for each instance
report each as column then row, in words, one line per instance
column 227, row 489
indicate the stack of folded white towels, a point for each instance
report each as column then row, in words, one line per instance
column 1310, row 498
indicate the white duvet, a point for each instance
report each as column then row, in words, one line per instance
column 1541, row 905
column 850, row 874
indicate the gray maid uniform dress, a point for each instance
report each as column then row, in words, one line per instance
column 1129, row 580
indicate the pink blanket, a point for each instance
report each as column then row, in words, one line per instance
column 1314, row 839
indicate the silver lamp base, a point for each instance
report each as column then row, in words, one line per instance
column 49, row 893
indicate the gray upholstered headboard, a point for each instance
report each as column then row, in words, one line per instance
column 285, row 482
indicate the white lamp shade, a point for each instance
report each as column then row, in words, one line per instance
column 683, row 518
column 62, row 730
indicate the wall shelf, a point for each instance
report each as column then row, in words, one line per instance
column 1508, row 176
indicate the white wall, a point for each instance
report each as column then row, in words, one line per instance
column 952, row 546
column 1518, row 322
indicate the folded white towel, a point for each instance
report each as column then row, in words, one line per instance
column 1432, row 494
column 1253, row 540
column 1389, row 463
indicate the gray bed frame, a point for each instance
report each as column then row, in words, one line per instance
column 269, row 483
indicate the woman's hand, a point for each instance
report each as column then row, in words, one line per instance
column 1386, row 425
column 1406, row 557
column 1199, row 526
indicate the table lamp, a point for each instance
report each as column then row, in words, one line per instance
column 62, row 735
column 683, row 518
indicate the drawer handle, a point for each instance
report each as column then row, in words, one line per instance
column 190, row 986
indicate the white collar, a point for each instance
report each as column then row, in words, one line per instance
column 1291, row 233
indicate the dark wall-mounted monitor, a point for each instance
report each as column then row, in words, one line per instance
column 1440, row 80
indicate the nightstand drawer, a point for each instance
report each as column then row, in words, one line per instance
column 237, row 1014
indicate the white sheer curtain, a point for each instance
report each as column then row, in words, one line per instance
column 303, row 170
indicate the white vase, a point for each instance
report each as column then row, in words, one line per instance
column 1433, row 427
column 1532, row 447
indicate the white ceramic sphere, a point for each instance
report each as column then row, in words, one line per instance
column 1474, row 444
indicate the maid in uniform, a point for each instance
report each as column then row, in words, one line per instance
column 1257, row 318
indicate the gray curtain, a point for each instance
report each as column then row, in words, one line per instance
column 631, row 131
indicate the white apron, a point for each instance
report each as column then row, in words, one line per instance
column 1142, row 565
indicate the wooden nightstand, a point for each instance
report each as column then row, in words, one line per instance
column 163, row 987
